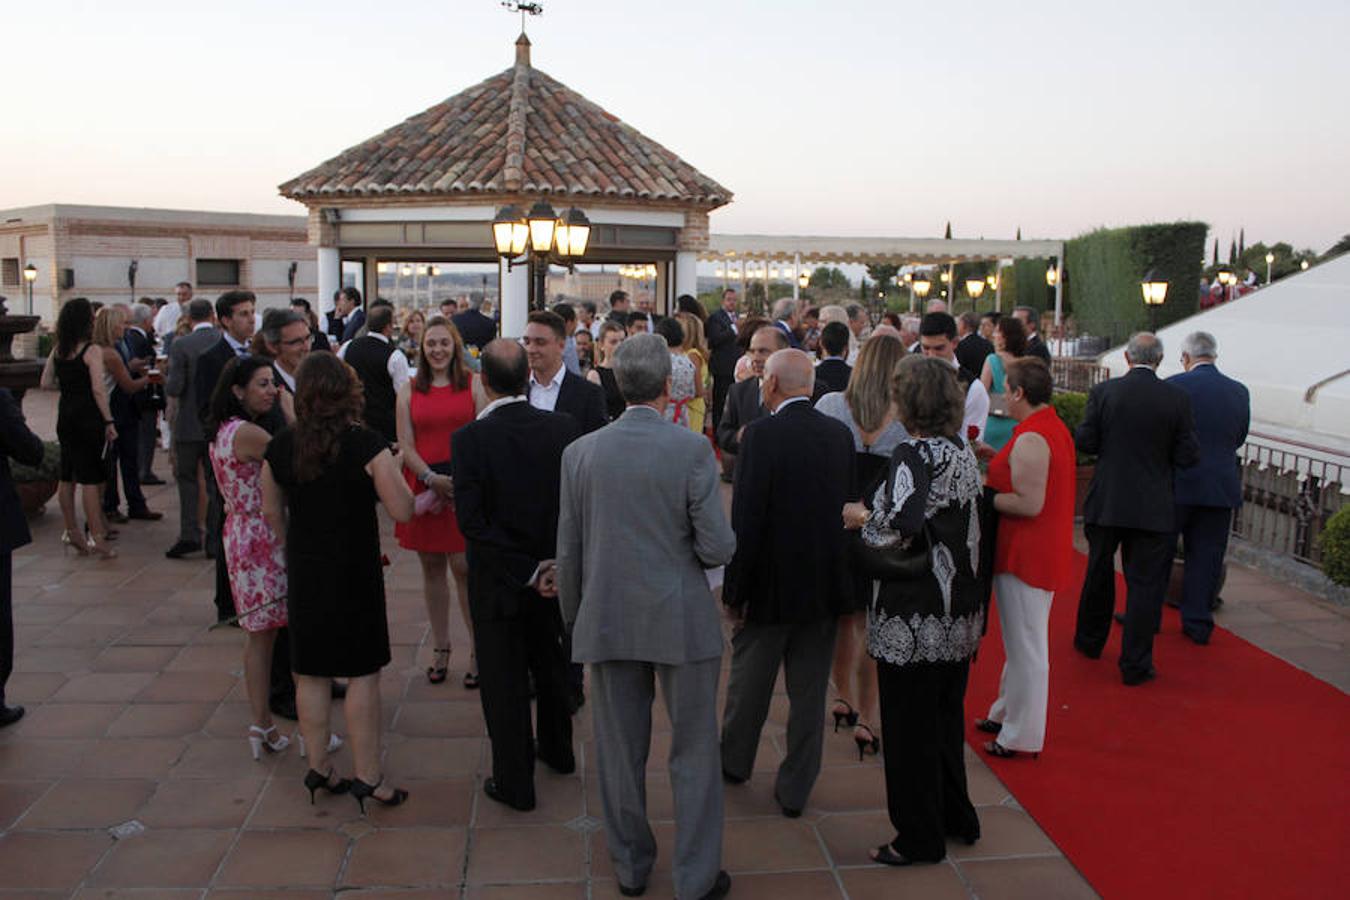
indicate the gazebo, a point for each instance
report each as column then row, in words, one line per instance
column 428, row 189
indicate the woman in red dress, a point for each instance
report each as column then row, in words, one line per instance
column 439, row 400
column 1033, row 476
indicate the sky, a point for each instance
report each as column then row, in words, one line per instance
column 887, row 118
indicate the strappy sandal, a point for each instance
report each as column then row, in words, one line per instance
column 440, row 665
column 994, row 748
column 988, row 726
column 886, row 855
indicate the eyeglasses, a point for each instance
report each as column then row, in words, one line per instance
column 295, row 342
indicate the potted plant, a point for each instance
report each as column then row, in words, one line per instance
column 36, row 485
column 1070, row 407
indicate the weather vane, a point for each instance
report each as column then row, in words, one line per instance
column 532, row 9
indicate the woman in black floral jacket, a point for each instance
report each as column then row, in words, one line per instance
column 924, row 631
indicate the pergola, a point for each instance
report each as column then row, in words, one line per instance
column 733, row 251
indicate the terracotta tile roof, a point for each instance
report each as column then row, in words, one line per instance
column 519, row 131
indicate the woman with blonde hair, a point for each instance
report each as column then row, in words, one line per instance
column 110, row 325
column 611, row 336
column 695, row 349
column 410, row 329
column 865, row 407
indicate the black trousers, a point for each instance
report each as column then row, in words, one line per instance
column 127, row 457
column 6, row 620
column 923, row 749
column 1146, row 556
column 1204, row 531
column 215, row 545
column 281, row 690
column 510, row 650
column 721, row 385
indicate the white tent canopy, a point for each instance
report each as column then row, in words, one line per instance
column 1290, row 344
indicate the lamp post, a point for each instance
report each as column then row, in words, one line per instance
column 1052, row 276
column 1154, row 288
column 1227, row 277
column 974, row 289
column 919, row 289
column 1270, row 261
column 544, row 237
column 30, row 276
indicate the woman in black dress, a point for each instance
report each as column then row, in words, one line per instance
column 322, row 479
column 611, row 336
column 922, row 631
column 84, row 425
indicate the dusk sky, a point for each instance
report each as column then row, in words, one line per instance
column 845, row 118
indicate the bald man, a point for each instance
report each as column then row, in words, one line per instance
column 789, row 579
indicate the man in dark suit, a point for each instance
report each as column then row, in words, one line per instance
column 1142, row 430
column 16, row 441
column 126, row 414
column 552, row 387
column 743, row 404
column 1207, row 494
column 140, row 344
column 333, row 327
column 185, row 421
column 1030, row 320
column 787, row 315
column 353, row 315
column 618, row 308
column 476, row 329
column 833, row 371
column 721, row 330
column 506, row 467
column 789, row 579
column 382, row 368
column 971, row 349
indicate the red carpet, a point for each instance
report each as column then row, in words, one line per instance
column 1228, row 776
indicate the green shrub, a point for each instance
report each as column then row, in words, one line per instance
column 47, row 470
column 1335, row 544
column 1105, row 268
column 1070, row 407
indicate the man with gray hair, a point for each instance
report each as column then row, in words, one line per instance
column 285, row 335
column 1142, row 431
column 630, row 577
column 1207, row 494
column 786, row 318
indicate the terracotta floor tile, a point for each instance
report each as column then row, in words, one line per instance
column 85, row 636
column 33, row 860
column 983, row 785
column 1046, row 878
column 207, row 757
column 132, row 757
column 423, row 857
column 161, row 720
column 557, row 891
column 67, row 720
column 188, row 687
column 255, row 894
column 40, row 758
column 133, row 659
column 770, row 846
column 1005, row 831
column 1319, row 659
column 285, row 804
column 164, row 858
column 66, row 660
column 42, row 613
column 86, row 803
column 848, row 836
column 103, row 687
column 557, row 798
column 658, row 885
column 33, row 687
column 441, row 719
column 94, row 893
column 210, row 657
column 16, row 797
column 850, row 789
column 126, row 614
column 433, row 803
column 284, row 858
column 602, row 866
column 416, row 757
column 785, row 886
column 935, row 882
column 162, row 635
column 533, row 853
column 201, row 803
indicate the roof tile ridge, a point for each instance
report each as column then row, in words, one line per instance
column 513, row 169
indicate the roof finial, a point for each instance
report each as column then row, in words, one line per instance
column 523, row 50
column 524, row 8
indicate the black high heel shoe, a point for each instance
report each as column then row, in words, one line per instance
column 360, row 790
column 848, row 717
column 870, row 744
column 315, row 780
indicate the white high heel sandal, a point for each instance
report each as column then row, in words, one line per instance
column 259, row 740
column 334, row 743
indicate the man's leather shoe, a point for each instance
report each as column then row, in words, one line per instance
column 490, row 788
column 10, row 714
column 632, row 891
column 1195, row 638
column 561, row 766
column 182, row 549
column 720, row 887
column 1134, row 679
column 788, row 811
column 732, row 779
column 1086, row 650
column 145, row 515
column 152, row 480
column 114, row 516
column 284, row 709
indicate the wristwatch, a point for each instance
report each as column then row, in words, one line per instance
column 426, row 476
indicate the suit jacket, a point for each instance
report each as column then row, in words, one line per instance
column 506, row 469
column 794, row 473
column 17, row 441
column 743, row 406
column 1223, row 413
column 476, row 329
column 209, row 366
column 334, row 326
column 1142, row 430
column 971, row 352
column 832, row 375
column 353, row 326
column 722, row 343
column 1036, row 347
column 583, row 401
column 181, row 381
column 140, row 346
column 787, row 332
column 634, row 540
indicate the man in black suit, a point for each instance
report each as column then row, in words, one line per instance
column 16, row 441
column 743, row 404
column 789, row 579
column 476, row 329
column 971, row 349
column 833, row 371
column 140, row 344
column 721, row 330
column 552, row 387
column 1142, row 431
column 618, row 308
column 1030, row 321
column 382, row 368
column 333, row 327
column 126, row 413
column 1207, row 494
column 349, row 313
column 506, row 467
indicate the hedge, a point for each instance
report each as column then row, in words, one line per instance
column 1105, row 268
column 1335, row 543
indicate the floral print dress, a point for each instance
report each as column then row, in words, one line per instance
column 254, row 557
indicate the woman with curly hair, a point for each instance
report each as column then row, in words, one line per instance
column 322, row 479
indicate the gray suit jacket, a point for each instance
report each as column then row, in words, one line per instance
column 181, row 381
column 640, row 519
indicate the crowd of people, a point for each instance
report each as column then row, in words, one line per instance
column 886, row 480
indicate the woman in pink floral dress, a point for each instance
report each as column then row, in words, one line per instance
column 254, row 556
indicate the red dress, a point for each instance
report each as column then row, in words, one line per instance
column 435, row 416
column 1038, row 549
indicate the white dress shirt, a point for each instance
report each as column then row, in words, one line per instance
column 397, row 365
column 166, row 320
column 500, row 402
column 977, row 406
column 784, row 405
column 545, row 396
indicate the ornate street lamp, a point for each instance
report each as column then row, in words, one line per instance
column 30, row 276
column 919, row 288
column 1052, row 276
column 544, row 237
column 1154, row 288
column 803, row 278
column 974, row 289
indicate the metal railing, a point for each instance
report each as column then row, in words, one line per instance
column 1076, row 374
column 1288, row 496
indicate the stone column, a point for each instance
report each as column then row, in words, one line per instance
column 515, row 299
column 686, row 273
column 323, row 235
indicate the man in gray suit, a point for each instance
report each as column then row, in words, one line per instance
column 630, row 576
column 189, row 443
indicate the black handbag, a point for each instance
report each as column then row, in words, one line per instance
column 901, row 561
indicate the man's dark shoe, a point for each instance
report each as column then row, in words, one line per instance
column 1134, row 679
column 490, row 788
column 1201, row 639
column 10, row 714
column 182, row 549
column 284, row 708
column 1086, row 650
column 788, row 811
column 732, row 779
column 152, row 480
column 145, row 515
column 632, row 891
column 720, row 887
column 561, row 766
column 114, row 516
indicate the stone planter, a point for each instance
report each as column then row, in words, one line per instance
column 33, row 496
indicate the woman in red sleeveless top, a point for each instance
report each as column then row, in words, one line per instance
column 1033, row 476
column 429, row 408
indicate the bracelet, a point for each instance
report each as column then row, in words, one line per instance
column 426, row 476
